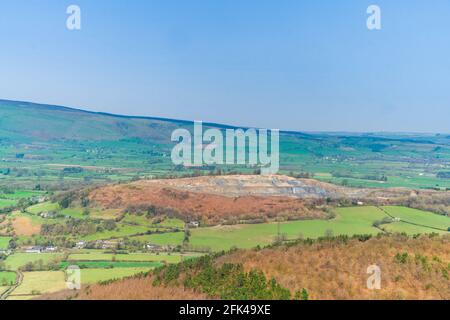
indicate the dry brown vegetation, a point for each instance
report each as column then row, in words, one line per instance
column 338, row 270
column 249, row 197
column 139, row 288
column 329, row 269
column 434, row 202
column 23, row 226
column 198, row 205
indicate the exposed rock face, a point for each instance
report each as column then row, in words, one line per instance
column 217, row 198
column 245, row 185
column 274, row 185
column 240, row 196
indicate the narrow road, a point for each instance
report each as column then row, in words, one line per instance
column 19, row 281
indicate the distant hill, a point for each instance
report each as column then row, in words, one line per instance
column 23, row 120
column 39, row 140
column 46, row 122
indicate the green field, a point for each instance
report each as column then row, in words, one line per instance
column 121, row 231
column 36, row 283
column 19, row 194
column 41, row 282
column 402, row 227
column 4, row 243
column 132, row 257
column 4, row 203
column 349, row 221
column 89, row 276
column 419, row 217
column 43, row 207
column 102, row 150
column 162, row 239
column 7, row 278
column 3, row 289
column 110, row 264
column 171, row 223
column 166, row 224
column 17, row 260
column 76, row 149
column 11, row 199
column 73, row 212
column 137, row 220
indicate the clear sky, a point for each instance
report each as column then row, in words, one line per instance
column 287, row 64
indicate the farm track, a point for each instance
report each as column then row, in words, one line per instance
column 8, row 292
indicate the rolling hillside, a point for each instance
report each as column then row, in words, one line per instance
column 52, row 145
column 330, row 269
column 69, row 176
column 37, row 122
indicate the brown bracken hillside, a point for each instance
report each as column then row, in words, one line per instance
column 247, row 197
column 331, row 269
column 411, row 268
column 197, row 205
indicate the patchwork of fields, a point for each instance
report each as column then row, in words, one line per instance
column 75, row 148
column 4, row 242
column 62, row 194
column 349, row 221
column 7, row 278
column 100, row 265
column 95, row 266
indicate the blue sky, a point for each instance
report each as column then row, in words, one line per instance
column 288, row 64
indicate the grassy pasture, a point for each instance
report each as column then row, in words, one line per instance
column 110, row 264
column 171, row 223
column 5, row 203
column 43, row 207
column 419, row 217
column 4, row 243
column 121, row 231
column 94, row 256
column 11, row 199
column 162, row 239
column 36, row 283
column 349, row 221
column 402, row 227
column 108, row 214
column 19, row 194
column 137, row 220
column 89, row 276
column 7, row 278
column 104, row 152
column 74, row 212
column 132, row 257
column 17, row 260
column 3, row 289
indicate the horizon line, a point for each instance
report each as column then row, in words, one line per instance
column 220, row 125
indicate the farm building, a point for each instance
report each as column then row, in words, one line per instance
column 37, row 249
column 80, row 244
column 153, row 247
column 193, row 224
column 48, row 215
